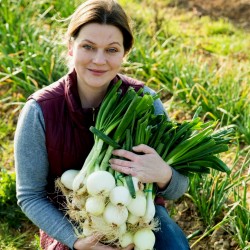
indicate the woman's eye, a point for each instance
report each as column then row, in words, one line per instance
column 112, row 50
column 88, row 47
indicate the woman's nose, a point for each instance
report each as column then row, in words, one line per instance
column 99, row 57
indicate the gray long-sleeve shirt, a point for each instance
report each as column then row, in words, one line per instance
column 32, row 168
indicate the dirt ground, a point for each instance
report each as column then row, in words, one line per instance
column 238, row 11
column 188, row 219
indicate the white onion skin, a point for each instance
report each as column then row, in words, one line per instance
column 120, row 195
column 126, row 239
column 138, row 205
column 95, row 205
column 150, row 211
column 100, row 183
column 144, row 239
column 132, row 219
column 123, row 228
column 136, row 183
column 87, row 231
column 79, row 181
column 115, row 215
column 68, row 177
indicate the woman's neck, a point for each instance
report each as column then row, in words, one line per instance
column 91, row 98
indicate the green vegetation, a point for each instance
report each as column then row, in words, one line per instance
column 192, row 61
column 15, row 229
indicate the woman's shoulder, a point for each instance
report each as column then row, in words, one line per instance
column 138, row 83
column 131, row 81
column 53, row 90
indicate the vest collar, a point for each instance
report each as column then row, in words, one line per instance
column 80, row 116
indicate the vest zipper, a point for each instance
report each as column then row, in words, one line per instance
column 93, row 114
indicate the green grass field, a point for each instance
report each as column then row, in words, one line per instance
column 191, row 61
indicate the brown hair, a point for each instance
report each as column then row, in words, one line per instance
column 102, row 12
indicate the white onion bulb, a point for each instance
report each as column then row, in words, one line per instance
column 95, row 205
column 67, row 178
column 120, row 196
column 132, row 219
column 138, row 205
column 100, row 183
column 126, row 239
column 115, row 215
column 144, row 239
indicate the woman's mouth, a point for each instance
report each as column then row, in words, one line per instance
column 97, row 72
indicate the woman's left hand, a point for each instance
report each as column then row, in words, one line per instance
column 144, row 163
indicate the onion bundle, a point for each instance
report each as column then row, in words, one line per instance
column 117, row 207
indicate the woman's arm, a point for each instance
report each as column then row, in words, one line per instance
column 32, row 166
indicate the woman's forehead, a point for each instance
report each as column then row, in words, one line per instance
column 100, row 34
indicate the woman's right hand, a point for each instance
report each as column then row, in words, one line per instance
column 92, row 243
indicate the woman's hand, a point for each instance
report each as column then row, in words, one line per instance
column 147, row 165
column 92, row 243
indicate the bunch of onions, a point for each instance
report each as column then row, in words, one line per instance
column 104, row 202
column 106, row 207
column 116, row 206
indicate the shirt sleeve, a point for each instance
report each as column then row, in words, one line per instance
column 159, row 108
column 31, row 165
column 176, row 188
column 178, row 184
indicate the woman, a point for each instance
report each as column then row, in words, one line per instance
column 53, row 130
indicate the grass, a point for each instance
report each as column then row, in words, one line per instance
column 11, row 239
column 16, row 232
column 240, row 217
column 191, row 61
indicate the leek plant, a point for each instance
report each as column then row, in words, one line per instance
column 240, row 218
column 217, row 194
column 210, row 194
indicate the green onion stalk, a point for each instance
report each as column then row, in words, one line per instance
column 117, row 113
column 128, row 119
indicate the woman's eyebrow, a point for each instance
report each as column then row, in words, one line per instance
column 86, row 40
column 89, row 41
column 113, row 43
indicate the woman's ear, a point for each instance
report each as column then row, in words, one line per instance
column 70, row 48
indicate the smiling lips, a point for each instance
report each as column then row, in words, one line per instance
column 97, row 72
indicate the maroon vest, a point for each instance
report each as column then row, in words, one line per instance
column 68, row 139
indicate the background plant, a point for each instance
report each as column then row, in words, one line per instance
column 240, row 218
column 8, row 203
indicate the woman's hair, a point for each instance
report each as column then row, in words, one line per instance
column 101, row 12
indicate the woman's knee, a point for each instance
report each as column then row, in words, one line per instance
column 169, row 235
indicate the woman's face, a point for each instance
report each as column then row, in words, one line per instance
column 97, row 54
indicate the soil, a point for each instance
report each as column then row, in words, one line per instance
column 238, row 11
column 188, row 219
